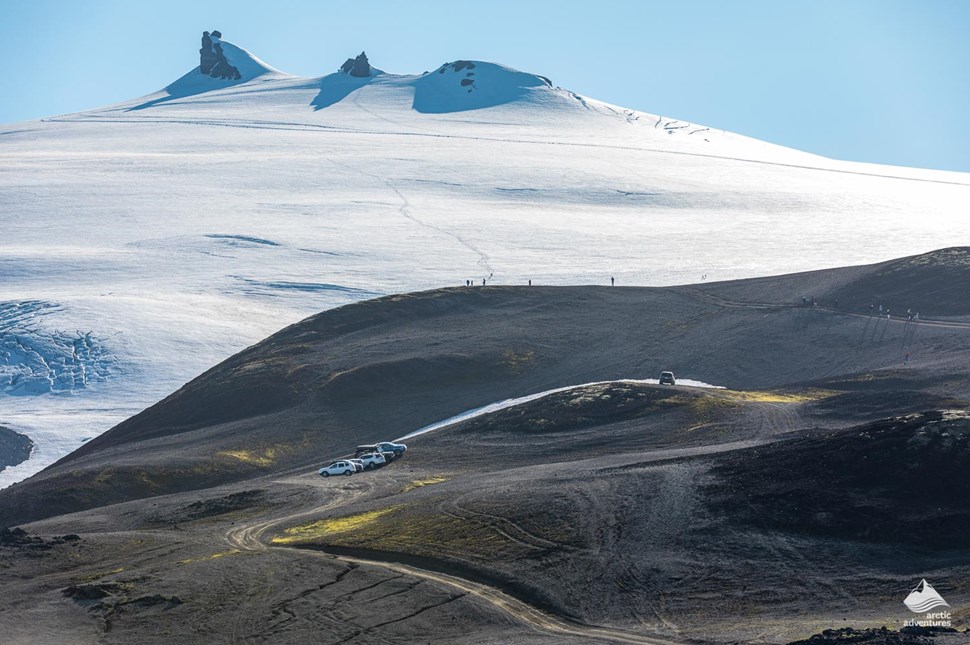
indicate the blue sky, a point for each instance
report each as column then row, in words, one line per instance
column 869, row 80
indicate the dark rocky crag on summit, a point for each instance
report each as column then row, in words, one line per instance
column 359, row 67
column 14, row 447
column 213, row 61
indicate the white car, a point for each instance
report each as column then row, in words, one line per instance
column 358, row 463
column 373, row 460
column 338, row 468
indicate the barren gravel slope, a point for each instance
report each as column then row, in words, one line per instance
column 618, row 512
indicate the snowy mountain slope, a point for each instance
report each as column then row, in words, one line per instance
column 146, row 241
column 244, row 68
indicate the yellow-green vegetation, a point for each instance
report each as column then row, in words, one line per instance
column 300, row 373
column 518, row 359
column 764, row 396
column 265, row 455
column 420, row 532
column 866, row 377
column 439, row 532
column 704, row 409
column 705, row 405
column 295, row 350
column 418, row 483
column 435, row 534
column 145, row 478
column 588, row 395
column 262, row 458
column 97, row 576
column 105, row 476
column 213, row 556
column 330, row 527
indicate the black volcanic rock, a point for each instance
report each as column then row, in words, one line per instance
column 459, row 66
column 359, row 67
column 212, row 60
column 14, row 447
column 902, row 480
column 880, row 636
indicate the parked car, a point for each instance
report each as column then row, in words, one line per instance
column 363, row 450
column 388, row 455
column 389, row 446
column 338, row 468
column 667, row 378
column 357, row 463
column 373, row 460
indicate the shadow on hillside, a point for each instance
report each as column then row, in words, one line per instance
column 189, row 85
column 335, row 88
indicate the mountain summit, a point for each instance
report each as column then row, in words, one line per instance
column 212, row 59
column 358, row 67
column 199, row 219
column 222, row 60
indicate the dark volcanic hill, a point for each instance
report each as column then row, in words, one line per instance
column 385, row 367
column 814, row 490
column 933, row 284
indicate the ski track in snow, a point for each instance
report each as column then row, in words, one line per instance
column 405, row 210
column 270, row 125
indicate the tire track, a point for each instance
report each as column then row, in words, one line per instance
column 250, row 537
column 741, row 304
column 515, row 608
column 492, row 522
column 311, row 127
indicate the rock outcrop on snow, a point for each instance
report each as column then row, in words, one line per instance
column 213, row 61
column 14, row 447
column 359, row 67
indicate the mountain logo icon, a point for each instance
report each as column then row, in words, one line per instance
column 924, row 598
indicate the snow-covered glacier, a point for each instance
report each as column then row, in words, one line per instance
column 146, row 241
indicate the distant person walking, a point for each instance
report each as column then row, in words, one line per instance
column 612, row 281
column 871, row 307
column 483, row 282
column 530, row 282
column 907, row 358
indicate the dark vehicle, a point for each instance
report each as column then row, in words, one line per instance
column 395, row 449
column 667, row 378
column 363, row 450
column 389, row 446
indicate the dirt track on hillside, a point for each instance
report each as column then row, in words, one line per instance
column 616, row 511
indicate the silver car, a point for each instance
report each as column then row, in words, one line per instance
column 373, row 460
